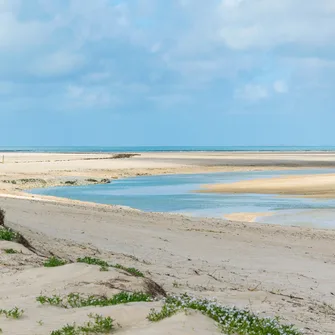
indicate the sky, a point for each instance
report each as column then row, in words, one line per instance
column 158, row 72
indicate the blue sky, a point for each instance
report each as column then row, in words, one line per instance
column 157, row 72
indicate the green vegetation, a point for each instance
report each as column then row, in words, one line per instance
column 91, row 180
column 7, row 234
column 71, row 182
column 75, row 300
column 104, row 266
column 14, row 313
column 132, row 271
column 92, row 261
column 53, row 262
column 10, row 251
column 98, row 325
column 231, row 320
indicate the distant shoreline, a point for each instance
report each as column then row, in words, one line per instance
column 166, row 149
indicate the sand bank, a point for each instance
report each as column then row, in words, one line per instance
column 318, row 186
column 246, row 217
column 23, row 171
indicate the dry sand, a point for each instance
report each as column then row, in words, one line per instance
column 284, row 271
column 316, row 186
column 275, row 270
column 246, row 217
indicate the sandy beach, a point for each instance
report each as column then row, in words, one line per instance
column 276, row 271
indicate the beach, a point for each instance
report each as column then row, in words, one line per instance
column 270, row 269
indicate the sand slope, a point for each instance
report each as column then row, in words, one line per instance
column 275, row 270
column 21, row 287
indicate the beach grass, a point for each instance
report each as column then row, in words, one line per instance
column 14, row 313
column 75, row 300
column 10, row 251
column 54, row 262
column 97, row 325
column 6, row 234
column 230, row 319
column 104, row 266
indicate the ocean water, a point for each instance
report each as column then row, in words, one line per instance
column 106, row 149
column 175, row 194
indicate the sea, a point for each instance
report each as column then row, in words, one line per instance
column 112, row 149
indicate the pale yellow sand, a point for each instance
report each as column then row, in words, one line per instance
column 246, row 217
column 318, row 186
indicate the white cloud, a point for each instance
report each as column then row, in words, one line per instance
column 90, row 96
column 280, row 86
column 252, row 92
column 56, row 64
column 260, row 23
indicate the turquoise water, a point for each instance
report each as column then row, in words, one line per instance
column 175, row 194
column 81, row 149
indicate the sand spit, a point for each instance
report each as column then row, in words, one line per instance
column 315, row 186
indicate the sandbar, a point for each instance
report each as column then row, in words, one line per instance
column 314, row 186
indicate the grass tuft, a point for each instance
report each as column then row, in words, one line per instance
column 231, row 320
column 104, row 266
column 131, row 271
column 75, row 300
column 53, row 262
column 7, row 234
column 10, row 251
column 92, row 261
column 14, row 313
column 98, row 325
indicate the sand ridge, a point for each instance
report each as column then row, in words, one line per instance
column 315, row 186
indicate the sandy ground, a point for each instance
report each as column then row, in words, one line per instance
column 271, row 269
column 316, row 186
column 277, row 271
column 247, row 217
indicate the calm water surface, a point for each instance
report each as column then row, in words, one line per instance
column 175, row 194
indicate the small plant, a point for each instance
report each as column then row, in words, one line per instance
column 10, row 251
column 53, row 262
column 98, row 325
column 166, row 311
column 131, row 271
column 104, row 266
column 14, row 313
column 231, row 320
column 40, row 323
column 71, row 182
column 92, row 261
column 176, row 284
column 7, row 234
column 91, row 180
column 55, row 300
column 75, row 300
